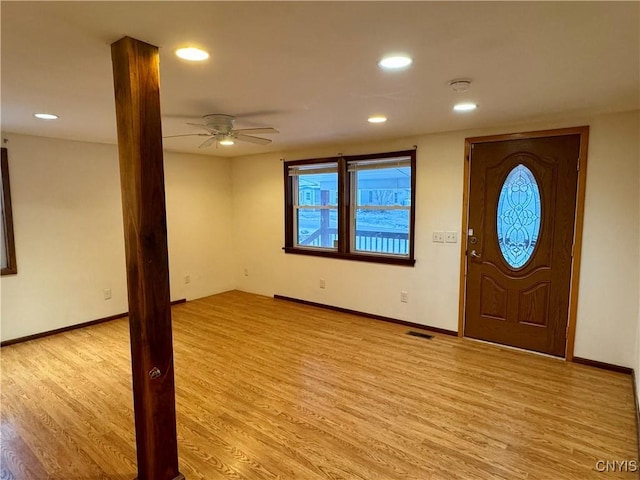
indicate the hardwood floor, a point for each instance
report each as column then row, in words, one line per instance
column 269, row 389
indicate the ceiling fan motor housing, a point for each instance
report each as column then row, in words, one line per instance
column 220, row 122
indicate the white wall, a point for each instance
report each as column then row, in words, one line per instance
column 608, row 301
column 636, row 366
column 199, row 224
column 609, row 277
column 69, row 235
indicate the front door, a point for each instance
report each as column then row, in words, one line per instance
column 521, row 217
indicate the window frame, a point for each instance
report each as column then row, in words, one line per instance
column 10, row 246
column 346, row 209
column 297, row 207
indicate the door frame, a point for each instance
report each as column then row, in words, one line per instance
column 576, row 250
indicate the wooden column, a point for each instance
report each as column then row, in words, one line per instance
column 137, row 93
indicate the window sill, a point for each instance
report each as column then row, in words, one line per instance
column 389, row 260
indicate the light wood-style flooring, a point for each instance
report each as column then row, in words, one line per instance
column 268, row 389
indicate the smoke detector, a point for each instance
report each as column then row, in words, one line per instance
column 460, row 85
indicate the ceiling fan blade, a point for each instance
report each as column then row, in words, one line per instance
column 208, row 142
column 253, row 131
column 188, row 135
column 250, row 139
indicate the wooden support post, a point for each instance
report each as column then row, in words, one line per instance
column 137, row 93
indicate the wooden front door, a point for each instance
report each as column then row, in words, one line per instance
column 521, row 217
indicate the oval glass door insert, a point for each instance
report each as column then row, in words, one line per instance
column 519, row 216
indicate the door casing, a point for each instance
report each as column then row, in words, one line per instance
column 583, row 131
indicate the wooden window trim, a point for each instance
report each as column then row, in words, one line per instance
column 344, row 211
column 12, row 266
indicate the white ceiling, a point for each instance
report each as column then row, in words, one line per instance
column 309, row 68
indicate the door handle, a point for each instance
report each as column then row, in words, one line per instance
column 474, row 254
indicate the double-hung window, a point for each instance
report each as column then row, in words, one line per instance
column 315, row 206
column 354, row 207
column 381, row 199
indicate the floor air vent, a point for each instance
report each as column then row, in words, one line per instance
column 418, row 334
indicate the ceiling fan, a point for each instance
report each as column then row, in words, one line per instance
column 220, row 130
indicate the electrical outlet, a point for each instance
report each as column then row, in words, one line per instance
column 404, row 296
column 246, row 272
column 187, row 279
column 322, row 283
column 438, row 237
column 451, row 237
column 107, row 294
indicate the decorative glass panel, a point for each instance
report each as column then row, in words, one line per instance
column 519, row 216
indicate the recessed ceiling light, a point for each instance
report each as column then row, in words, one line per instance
column 226, row 141
column 192, row 54
column 377, row 119
column 465, row 107
column 45, row 116
column 395, row 62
